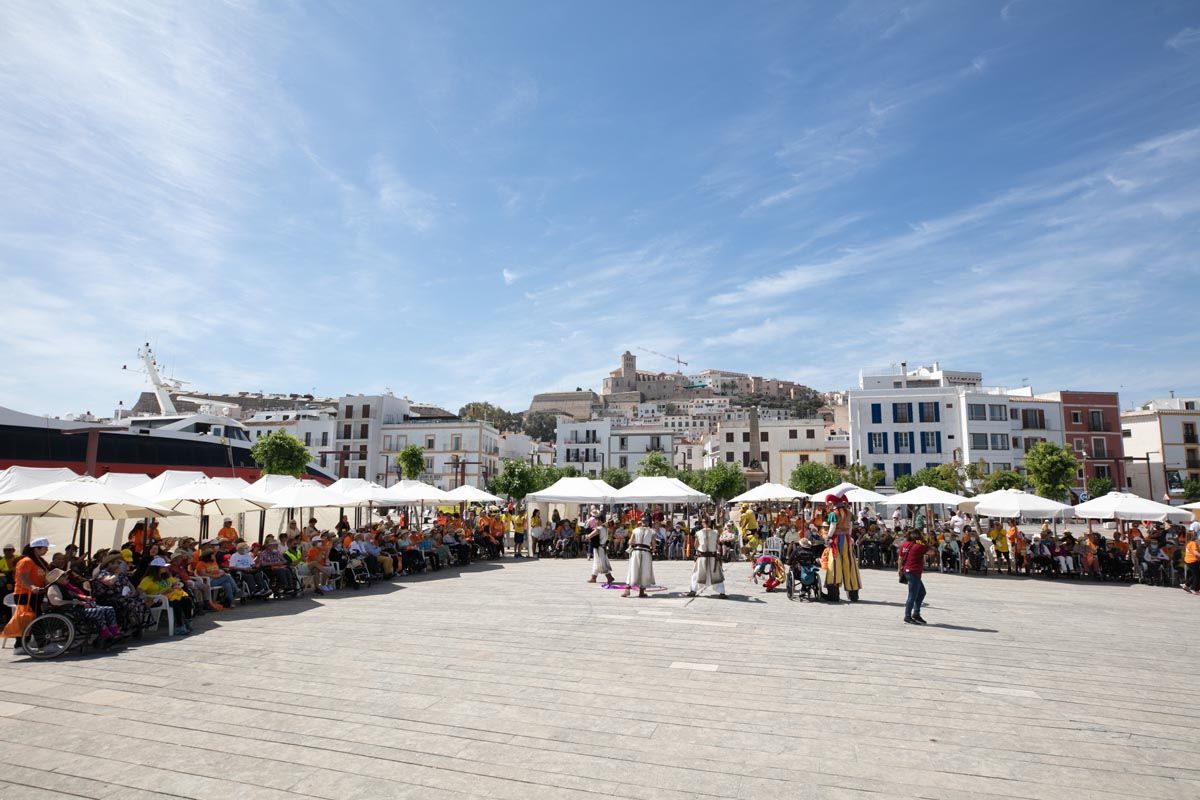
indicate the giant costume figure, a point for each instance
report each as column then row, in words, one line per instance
column 842, row 572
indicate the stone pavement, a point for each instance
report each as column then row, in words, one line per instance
column 517, row 680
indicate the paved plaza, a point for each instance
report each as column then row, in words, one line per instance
column 517, row 680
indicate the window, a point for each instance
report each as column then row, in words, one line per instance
column 839, row 461
column 456, row 442
column 324, row 459
column 366, row 412
column 429, row 464
column 904, row 441
column 877, row 443
column 308, row 438
column 762, row 436
column 362, row 430
column 877, row 413
column 623, row 462
column 810, row 434
column 1002, row 466
column 1033, row 418
column 729, row 457
column 362, row 451
column 324, row 438
column 901, row 469
column 901, row 412
column 1103, row 471
column 931, row 441
column 387, row 443
column 792, row 433
column 1077, row 444
column 928, row 412
column 1016, row 441
column 1095, row 420
column 979, row 441
column 655, row 443
column 346, row 430
column 997, row 413
column 976, row 411
column 1099, row 447
column 1126, row 433
column 1189, row 433
column 429, row 442
column 1079, row 474
column 362, row 471
column 1189, row 405
column 623, row 443
column 881, row 468
column 999, row 441
column 729, row 436
column 349, row 413
column 745, row 436
column 1076, row 417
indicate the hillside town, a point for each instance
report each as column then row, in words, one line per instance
column 899, row 420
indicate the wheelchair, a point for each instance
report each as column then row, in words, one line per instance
column 55, row 632
column 804, row 576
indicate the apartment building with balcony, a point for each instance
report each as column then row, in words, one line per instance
column 594, row 445
column 1092, row 429
column 1162, row 447
column 776, row 445
column 313, row 426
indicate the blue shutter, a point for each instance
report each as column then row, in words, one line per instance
column 923, row 449
column 870, row 443
column 876, row 413
column 939, row 442
column 911, row 418
column 895, row 415
column 896, row 440
column 937, row 414
column 883, row 436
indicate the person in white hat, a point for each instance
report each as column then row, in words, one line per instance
column 29, row 583
column 60, row 595
column 228, row 533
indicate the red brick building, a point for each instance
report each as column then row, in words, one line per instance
column 1092, row 429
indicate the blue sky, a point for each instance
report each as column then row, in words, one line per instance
column 484, row 200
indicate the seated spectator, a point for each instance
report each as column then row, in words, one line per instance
column 158, row 581
column 317, row 560
column 361, row 547
column 206, row 566
column 64, row 596
column 275, row 567
column 243, row 564
column 111, row 586
column 196, row 586
column 228, row 533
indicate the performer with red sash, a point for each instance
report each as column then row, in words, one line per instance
column 842, row 572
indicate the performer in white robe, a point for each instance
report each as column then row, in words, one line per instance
column 709, row 571
column 600, row 564
column 641, row 564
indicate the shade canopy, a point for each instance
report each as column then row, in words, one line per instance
column 469, row 494
column 770, row 492
column 268, row 485
column 1014, row 503
column 125, row 481
column 852, row 492
column 207, row 496
column 369, row 494
column 165, row 481
column 309, row 494
column 82, row 498
column 1124, row 505
column 1192, row 506
column 15, row 479
column 407, row 492
column 658, row 489
column 925, row 496
column 574, row 490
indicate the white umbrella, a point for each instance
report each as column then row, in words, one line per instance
column 852, row 492
column 1124, row 505
column 924, row 496
column 268, row 485
column 308, row 494
column 165, row 481
column 658, row 489
column 407, row 492
column 1013, row 503
column 82, row 498
column 574, row 490
column 125, row 481
column 205, row 496
column 15, row 479
column 770, row 492
column 1192, row 506
column 469, row 494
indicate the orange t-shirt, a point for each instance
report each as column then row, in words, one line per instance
column 227, row 534
column 140, row 537
column 1191, row 554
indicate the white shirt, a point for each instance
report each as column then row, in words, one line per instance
column 958, row 522
column 1195, row 527
column 241, row 561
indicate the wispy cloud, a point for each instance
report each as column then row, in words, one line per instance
column 509, row 276
column 1186, row 39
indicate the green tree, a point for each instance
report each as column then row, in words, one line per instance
column 411, row 461
column 693, row 478
column 723, row 481
column 280, row 453
column 1191, row 489
column 940, row 477
column 616, row 477
column 499, row 418
column 905, row 483
column 1098, row 487
column 1051, row 469
column 654, row 464
column 541, row 425
column 864, row 477
column 514, row 481
column 812, row 477
column 803, row 406
column 1002, row 479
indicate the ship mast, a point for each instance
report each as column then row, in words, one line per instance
column 162, row 388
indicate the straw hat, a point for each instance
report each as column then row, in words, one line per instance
column 54, row 576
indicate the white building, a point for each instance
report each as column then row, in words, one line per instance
column 315, row 427
column 597, row 444
column 1162, row 447
column 782, row 445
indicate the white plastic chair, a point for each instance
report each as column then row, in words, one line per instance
column 158, row 607
column 773, row 546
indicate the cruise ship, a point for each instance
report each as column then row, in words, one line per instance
column 207, row 441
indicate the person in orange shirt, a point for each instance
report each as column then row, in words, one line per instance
column 228, row 533
column 140, row 536
column 1191, row 564
column 29, row 582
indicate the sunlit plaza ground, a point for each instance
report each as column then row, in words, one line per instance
column 518, row 680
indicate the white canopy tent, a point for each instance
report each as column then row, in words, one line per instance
column 125, row 481
column 770, row 493
column 658, row 489
column 852, row 492
column 164, row 482
column 268, row 485
column 408, row 492
column 1127, row 506
column 469, row 494
column 924, row 496
column 309, row 494
column 206, row 496
column 17, row 478
column 1014, row 504
column 574, row 490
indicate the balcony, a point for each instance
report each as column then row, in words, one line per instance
column 1190, row 438
column 1098, row 428
column 1193, row 463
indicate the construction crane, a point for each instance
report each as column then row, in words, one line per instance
column 676, row 359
